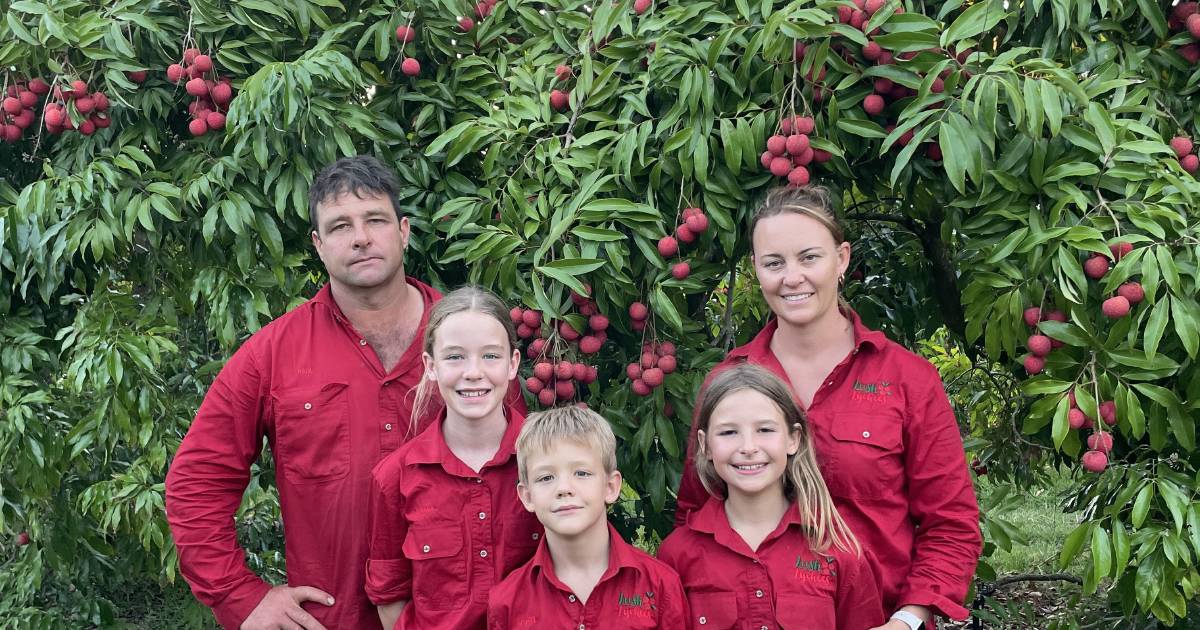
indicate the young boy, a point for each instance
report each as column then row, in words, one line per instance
column 583, row 574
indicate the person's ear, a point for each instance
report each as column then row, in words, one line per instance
column 405, row 232
column 700, row 444
column 793, row 441
column 525, row 496
column 515, row 364
column 843, row 257
column 612, row 487
column 430, row 373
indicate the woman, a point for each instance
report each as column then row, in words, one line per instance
column 885, row 435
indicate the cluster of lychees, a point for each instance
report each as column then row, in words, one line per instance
column 405, row 34
column 1185, row 16
column 1183, row 148
column 695, row 222
column 561, row 99
column 639, row 315
column 213, row 95
column 87, row 105
column 790, row 151
column 555, row 382
column 17, row 112
column 1100, row 442
column 657, row 361
column 1128, row 294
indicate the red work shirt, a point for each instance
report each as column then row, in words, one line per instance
column 636, row 591
column 313, row 387
column 890, row 452
column 442, row 535
column 783, row 584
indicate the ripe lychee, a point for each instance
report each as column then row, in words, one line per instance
column 1115, row 307
column 580, row 372
column 1132, row 291
column 765, row 159
column 547, row 397
column 799, row 176
column 197, row 87
column 1120, row 250
column 641, row 388
column 1038, row 345
column 633, row 371
column 559, row 100
column 215, row 120
column 598, row 323
column 1108, row 412
column 1076, row 419
column 680, row 271
column 1034, row 364
column 1190, row 163
column 534, row 384
column 1094, row 461
column 22, row 539
column 532, row 318
column 648, row 360
column 410, row 67
column 638, row 311
column 777, row 145
column 873, row 104
column 568, row 332
column 564, row 369
column 1102, row 442
column 465, row 23
column 1032, row 316
column 589, row 345
column 872, row 51
column 796, row 144
column 405, row 33
column 667, row 364
column 1096, row 266
column 685, row 233
column 804, row 124
column 198, row 127
column 174, row 73
column 1193, row 25
column 562, row 72
column 1181, row 145
column 203, row 63
column 697, row 223
column 41, row 88
column 641, row 6
column 781, row 166
column 668, row 246
column 653, row 377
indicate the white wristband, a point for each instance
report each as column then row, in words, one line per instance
column 912, row 621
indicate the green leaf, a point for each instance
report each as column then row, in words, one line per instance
column 978, row 18
column 1101, row 552
column 1073, row 543
column 1156, row 324
column 1141, row 506
column 598, row 234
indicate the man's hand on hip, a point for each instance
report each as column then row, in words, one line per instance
column 280, row 609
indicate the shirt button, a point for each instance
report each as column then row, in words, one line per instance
column 703, row 620
column 425, row 549
column 866, row 434
column 764, row 628
column 479, row 480
column 536, row 535
column 483, row 553
column 362, row 342
column 571, row 598
column 388, row 426
column 308, row 405
column 582, row 627
column 758, row 593
column 482, row 516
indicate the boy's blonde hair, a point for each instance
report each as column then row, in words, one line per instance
column 802, row 480
column 544, row 429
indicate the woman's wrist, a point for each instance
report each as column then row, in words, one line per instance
column 914, row 617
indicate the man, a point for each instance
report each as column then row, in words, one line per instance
column 330, row 385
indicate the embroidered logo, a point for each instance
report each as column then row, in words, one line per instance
column 823, row 570
column 525, row 623
column 871, row 392
column 639, row 605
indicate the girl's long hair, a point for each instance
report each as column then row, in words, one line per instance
column 463, row 299
column 802, row 481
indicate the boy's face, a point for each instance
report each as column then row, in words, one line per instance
column 568, row 489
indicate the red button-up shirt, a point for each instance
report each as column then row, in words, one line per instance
column 314, row 388
column 442, row 535
column 636, row 591
column 783, row 584
column 890, row 452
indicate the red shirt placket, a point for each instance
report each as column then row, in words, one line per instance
column 758, row 596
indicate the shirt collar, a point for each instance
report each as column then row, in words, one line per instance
column 428, row 294
column 760, row 346
column 430, row 446
column 620, row 555
column 711, row 519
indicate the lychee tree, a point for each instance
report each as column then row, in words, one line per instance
column 1019, row 175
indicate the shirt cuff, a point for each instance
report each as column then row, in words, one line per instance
column 940, row 604
column 388, row 581
column 233, row 610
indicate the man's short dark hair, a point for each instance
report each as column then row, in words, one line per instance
column 361, row 174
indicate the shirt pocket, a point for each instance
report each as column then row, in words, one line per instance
column 865, row 458
column 713, row 611
column 439, row 573
column 312, row 432
column 798, row 611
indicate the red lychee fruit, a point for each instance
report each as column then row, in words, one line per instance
column 524, row 332
column 1108, row 412
column 568, row 332
column 796, row 144
column 1056, row 316
column 799, row 176
column 781, row 166
column 638, row 311
column 804, row 158
column 515, row 315
column 633, row 371
column 580, row 372
column 1039, row 345
column 563, row 72
column 564, row 369
column 883, row 86
column 198, row 127
column 873, row 6
column 83, row 105
column 873, row 104
column 1102, row 442
column 13, row 106
column 934, row 152
column 1120, row 250
column 546, row 397
column 22, row 539
column 215, row 120
column 648, row 360
column 1181, row 145
column 54, row 116
column 1096, row 266
column 668, row 246
column 680, row 271
column 697, row 223
column 1193, row 25
column 534, row 384
column 589, row 345
column 1132, row 291
column 190, row 55
column 543, row 371
column 41, row 88
column 1190, row 163
column 777, row 145
column 27, row 98
column 203, row 63
column 765, row 159
column 197, row 87
column 405, row 33
column 872, row 51
column 598, row 323
column 1094, row 461
column 667, row 364
column 685, row 233
column 532, row 318
column 1034, row 364
column 1115, row 307
column 844, row 13
column 1032, row 316
column 641, row 388
column 1076, row 419
column 804, row 125
column 174, row 73
column 1190, row 52
column 666, row 348
column 559, row 100
column 641, row 6
column 653, row 377
column 410, row 67
column 465, row 23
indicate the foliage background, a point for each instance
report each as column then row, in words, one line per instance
column 136, row 259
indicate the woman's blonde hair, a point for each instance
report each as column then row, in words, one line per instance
column 809, row 201
column 802, row 481
column 467, row 298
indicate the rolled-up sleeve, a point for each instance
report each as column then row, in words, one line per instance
column 941, row 502
column 205, row 485
column 389, row 572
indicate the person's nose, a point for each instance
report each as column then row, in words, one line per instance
column 362, row 237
